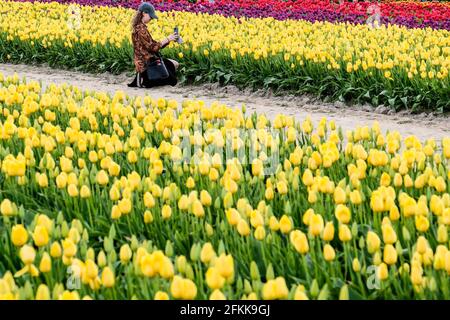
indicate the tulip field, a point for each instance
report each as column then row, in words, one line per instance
column 111, row 196
column 98, row 202
column 400, row 61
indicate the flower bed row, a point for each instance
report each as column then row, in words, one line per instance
column 101, row 200
column 409, row 14
column 394, row 66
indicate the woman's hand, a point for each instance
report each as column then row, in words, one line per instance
column 166, row 41
column 172, row 37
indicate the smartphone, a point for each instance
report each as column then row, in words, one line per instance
column 175, row 30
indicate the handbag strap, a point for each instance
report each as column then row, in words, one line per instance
column 156, row 56
column 139, row 80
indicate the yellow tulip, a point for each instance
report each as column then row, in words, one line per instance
column 214, row 279
column 342, row 213
column 299, row 241
column 102, row 178
column 42, row 292
column 328, row 231
column 207, row 253
column 40, row 236
column 125, row 253
column 161, row 295
column 7, row 208
column 19, row 235
column 46, row 263
column 328, row 252
column 217, row 295
column 285, row 224
column 108, row 278
column 344, row 233
column 390, row 254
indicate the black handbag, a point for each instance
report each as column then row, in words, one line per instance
column 156, row 69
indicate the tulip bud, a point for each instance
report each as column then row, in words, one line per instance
column 270, row 273
column 314, row 289
column 354, row 229
column 90, row 254
column 108, row 244
column 254, row 271
column 64, row 229
column 221, row 249
column 398, row 248
column 324, row 293
column 180, row 264
column 362, row 243
column 195, row 252
column 125, row 253
column 406, row 234
column 85, row 236
column 356, row 265
column 112, row 257
column 300, row 293
column 431, row 284
column 217, row 203
column 247, row 287
column 209, row 229
column 27, row 291
column 343, row 293
column 134, row 243
column 287, row 207
column 57, row 232
column 189, row 272
column 169, row 249
column 404, row 269
column 58, row 289
column 376, row 259
column 101, row 259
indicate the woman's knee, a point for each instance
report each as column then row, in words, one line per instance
column 175, row 63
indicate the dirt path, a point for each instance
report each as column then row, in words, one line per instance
column 423, row 125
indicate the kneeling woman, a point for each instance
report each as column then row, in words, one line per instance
column 146, row 49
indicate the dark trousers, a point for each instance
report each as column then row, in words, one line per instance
column 141, row 79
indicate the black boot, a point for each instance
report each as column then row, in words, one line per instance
column 134, row 83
